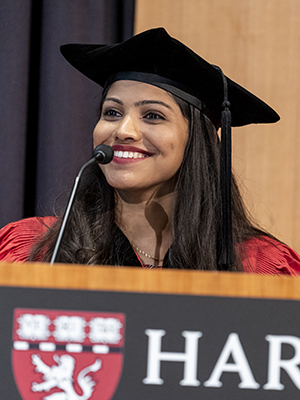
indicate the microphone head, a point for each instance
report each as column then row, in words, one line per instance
column 103, row 154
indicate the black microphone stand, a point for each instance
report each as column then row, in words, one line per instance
column 102, row 154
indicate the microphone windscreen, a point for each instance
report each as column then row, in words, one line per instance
column 103, row 154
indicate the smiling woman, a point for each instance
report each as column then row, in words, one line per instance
column 168, row 198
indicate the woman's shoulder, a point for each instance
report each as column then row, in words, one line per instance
column 265, row 255
column 17, row 238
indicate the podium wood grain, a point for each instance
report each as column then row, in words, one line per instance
column 130, row 279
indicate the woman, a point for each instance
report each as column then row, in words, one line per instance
column 164, row 200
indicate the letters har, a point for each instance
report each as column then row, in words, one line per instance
column 233, row 350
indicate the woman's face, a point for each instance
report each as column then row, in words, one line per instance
column 148, row 133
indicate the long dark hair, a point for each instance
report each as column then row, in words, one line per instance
column 90, row 237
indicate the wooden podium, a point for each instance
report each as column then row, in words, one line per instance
column 131, row 334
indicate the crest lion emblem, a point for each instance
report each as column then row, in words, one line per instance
column 61, row 376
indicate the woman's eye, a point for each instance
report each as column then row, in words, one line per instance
column 154, row 116
column 110, row 113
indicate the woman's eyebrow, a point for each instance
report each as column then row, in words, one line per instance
column 113, row 99
column 143, row 102
column 140, row 103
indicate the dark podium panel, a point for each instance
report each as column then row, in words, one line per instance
column 71, row 333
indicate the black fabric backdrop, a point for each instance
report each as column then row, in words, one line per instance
column 48, row 109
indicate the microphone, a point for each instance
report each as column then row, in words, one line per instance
column 102, row 154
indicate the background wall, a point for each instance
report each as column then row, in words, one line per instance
column 257, row 44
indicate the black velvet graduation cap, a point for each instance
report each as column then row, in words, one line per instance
column 155, row 57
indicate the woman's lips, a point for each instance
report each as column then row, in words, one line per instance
column 129, row 154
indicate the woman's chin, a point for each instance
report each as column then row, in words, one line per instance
column 127, row 182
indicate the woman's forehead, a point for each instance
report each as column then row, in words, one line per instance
column 137, row 91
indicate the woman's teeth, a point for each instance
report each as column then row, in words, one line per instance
column 129, row 154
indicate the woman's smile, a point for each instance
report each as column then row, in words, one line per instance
column 129, row 154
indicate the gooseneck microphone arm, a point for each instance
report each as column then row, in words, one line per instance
column 102, row 154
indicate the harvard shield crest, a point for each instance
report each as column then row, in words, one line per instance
column 67, row 355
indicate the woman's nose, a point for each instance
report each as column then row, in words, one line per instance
column 127, row 130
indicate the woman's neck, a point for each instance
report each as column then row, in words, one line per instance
column 146, row 223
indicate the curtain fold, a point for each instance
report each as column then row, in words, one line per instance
column 48, row 108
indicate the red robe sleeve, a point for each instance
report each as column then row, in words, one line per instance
column 17, row 238
column 268, row 256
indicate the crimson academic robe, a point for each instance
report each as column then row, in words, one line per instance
column 258, row 255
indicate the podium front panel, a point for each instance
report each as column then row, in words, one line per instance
column 91, row 344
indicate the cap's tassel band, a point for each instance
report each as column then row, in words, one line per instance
column 226, row 255
column 226, row 252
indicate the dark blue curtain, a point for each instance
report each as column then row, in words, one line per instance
column 48, row 110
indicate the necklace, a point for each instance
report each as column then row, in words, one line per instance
column 145, row 254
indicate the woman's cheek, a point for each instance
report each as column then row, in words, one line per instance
column 100, row 134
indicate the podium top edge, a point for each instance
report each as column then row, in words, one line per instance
column 133, row 279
